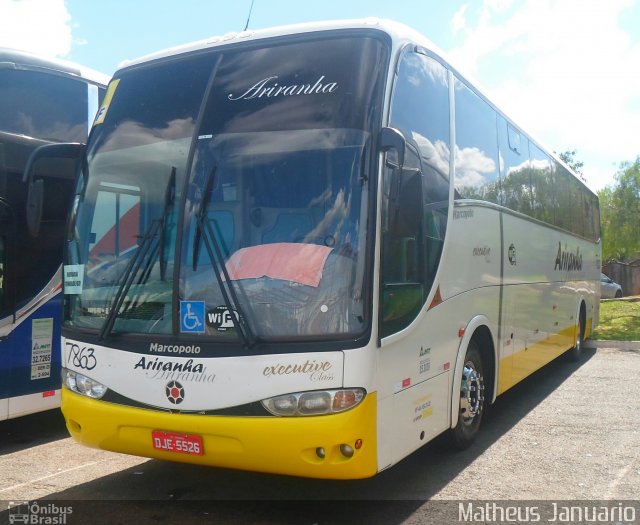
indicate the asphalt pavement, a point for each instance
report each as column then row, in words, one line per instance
column 569, row 432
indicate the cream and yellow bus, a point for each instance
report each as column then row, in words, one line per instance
column 310, row 250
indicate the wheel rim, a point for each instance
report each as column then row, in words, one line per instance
column 580, row 336
column 471, row 393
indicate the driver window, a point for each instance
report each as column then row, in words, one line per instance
column 411, row 253
column 2, row 267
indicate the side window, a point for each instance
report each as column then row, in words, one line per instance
column 32, row 262
column 43, row 106
column 542, row 185
column 564, row 198
column 115, row 229
column 2, row 269
column 595, row 206
column 50, row 107
column 514, row 169
column 476, row 173
column 587, row 208
column 416, row 198
column 577, row 216
column 5, row 225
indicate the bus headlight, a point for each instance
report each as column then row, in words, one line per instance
column 81, row 384
column 314, row 403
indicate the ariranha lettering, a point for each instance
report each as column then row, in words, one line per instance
column 169, row 366
column 567, row 261
column 267, row 87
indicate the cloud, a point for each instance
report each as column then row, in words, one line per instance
column 459, row 21
column 39, row 26
column 564, row 69
column 472, row 168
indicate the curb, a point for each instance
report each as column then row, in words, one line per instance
column 620, row 345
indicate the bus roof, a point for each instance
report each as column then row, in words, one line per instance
column 397, row 31
column 18, row 59
column 400, row 34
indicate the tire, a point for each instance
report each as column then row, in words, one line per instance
column 576, row 353
column 618, row 294
column 472, row 405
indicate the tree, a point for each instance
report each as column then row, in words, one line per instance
column 568, row 157
column 620, row 214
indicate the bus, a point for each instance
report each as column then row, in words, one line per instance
column 310, row 250
column 41, row 102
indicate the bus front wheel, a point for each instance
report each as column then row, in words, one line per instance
column 471, row 399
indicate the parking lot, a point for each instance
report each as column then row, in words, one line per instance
column 569, row 432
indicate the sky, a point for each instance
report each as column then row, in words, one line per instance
column 567, row 71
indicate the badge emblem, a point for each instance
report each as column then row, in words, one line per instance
column 175, row 392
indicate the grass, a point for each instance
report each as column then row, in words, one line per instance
column 619, row 321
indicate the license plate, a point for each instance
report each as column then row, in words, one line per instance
column 174, row 442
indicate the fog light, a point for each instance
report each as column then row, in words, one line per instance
column 347, row 450
column 320, row 452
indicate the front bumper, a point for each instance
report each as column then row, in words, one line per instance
column 279, row 445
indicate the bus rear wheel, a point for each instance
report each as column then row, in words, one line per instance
column 471, row 400
column 575, row 354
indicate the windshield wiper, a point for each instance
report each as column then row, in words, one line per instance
column 206, row 234
column 169, row 197
column 129, row 274
column 146, row 250
column 364, row 163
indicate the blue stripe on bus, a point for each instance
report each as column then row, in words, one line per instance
column 15, row 355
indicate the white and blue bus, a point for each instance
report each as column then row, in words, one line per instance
column 310, row 250
column 41, row 102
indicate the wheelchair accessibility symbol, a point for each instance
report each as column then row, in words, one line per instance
column 192, row 317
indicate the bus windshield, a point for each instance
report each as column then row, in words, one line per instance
column 227, row 193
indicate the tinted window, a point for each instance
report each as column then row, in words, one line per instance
column 43, row 105
column 138, row 114
column 32, row 261
column 595, row 208
column 260, row 90
column 587, row 210
column 476, row 175
column 563, row 187
column 412, row 250
column 420, row 109
column 2, row 268
column 514, row 169
column 277, row 168
column 542, row 185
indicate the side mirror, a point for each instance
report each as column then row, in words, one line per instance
column 391, row 138
column 48, row 156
